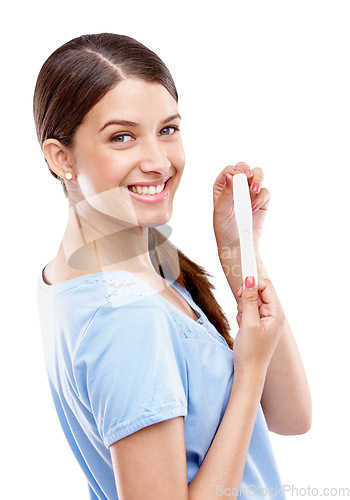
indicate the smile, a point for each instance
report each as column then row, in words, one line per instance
column 147, row 189
column 150, row 194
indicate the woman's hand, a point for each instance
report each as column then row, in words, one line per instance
column 224, row 220
column 260, row 318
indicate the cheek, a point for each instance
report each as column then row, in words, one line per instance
column 104, row 171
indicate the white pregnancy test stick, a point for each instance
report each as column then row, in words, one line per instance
column 244, row 218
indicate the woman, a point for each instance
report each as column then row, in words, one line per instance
column 138, row 351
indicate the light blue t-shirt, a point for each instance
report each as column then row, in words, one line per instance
column 120, row 357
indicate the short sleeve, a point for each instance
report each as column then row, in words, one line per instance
column 130, row 369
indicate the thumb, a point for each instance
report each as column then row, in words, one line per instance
column 250, row 303
column 225, row 198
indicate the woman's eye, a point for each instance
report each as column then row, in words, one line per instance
column 168, row 130
column 121, row 138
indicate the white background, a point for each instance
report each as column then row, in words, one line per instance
column 265, row 82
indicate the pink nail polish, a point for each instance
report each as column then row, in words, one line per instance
column 254, row 207
column 228, row 180
column 256, row 187
column 250, row 282
column 247, row 171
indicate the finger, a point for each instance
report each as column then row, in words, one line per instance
column 261, row 200
column 250, row 311
column 256, row 180
column 240, row 305
column 223, row 203
column 266, row 290
column 245, row 168
column 230, row 169
column 219, row 182
column 239, row 319
column 223, row 189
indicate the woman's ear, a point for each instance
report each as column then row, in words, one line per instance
column 57, row 156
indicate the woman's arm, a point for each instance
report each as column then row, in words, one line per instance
column 224, row 463
column 151, row 463
column 286, row 399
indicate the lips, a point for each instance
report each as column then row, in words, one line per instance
column 153, row 183
column 151, row 198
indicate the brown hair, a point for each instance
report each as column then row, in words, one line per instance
column 71, row 81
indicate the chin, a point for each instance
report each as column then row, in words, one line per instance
column 155, row 221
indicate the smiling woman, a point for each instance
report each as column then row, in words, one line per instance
column 138, row 351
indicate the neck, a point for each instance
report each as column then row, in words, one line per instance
column 94, row 241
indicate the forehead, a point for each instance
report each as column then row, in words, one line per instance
column 135, row 100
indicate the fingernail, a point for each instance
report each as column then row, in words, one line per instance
column 238, row 290
column 247, row 171
column 254, row 207
column 255, row 187
column 228, row 180
column 250, row 282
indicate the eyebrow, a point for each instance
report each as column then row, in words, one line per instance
column 127, row 123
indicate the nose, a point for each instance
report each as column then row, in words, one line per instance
column 154, row 157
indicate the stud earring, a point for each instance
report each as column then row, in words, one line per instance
column 69, row 176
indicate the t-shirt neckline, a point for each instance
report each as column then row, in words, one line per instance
column 71, row 283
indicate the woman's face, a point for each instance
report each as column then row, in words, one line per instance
column 131, row 138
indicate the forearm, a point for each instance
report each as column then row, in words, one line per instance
column 224, row 462
column 286, row 399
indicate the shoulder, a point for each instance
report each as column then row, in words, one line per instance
column 141, row 318
column 125, row 333
column 121, row 288
column 128, row 309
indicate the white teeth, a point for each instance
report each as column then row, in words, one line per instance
column 148, row 189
